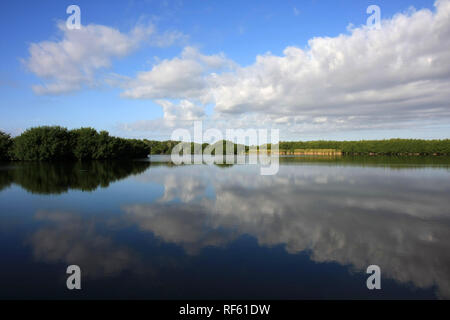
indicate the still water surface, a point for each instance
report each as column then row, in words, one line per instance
column 157, row 231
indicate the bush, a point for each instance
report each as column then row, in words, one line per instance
column 5, row 146
column 57, row 143
column 85, row 143
column 43, row 143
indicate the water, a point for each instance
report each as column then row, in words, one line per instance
column 159, row 231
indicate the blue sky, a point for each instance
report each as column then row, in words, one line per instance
column 223, row 38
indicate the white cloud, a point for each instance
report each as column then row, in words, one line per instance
column 395, row 77
column 181, row 77
column 402, row 68
column 185, row 110
column 176, row 115
column 68, row 64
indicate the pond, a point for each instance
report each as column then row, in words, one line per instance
column 154, row 230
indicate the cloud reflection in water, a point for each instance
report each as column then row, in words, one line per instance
column 354, row 216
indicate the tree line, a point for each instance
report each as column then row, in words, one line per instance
column 166, row 147
column 381, row 147
column 363, row 147
column 58, row 143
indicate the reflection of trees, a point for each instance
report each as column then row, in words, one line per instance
column 394, row 162
column 59, row 177
column 6, row 177
column 223, row 165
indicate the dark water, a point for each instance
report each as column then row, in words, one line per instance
column 158, row 231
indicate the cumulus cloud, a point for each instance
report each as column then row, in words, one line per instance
column 185, row 110
column 179, row 114
column 72, row 62
column 181, row 77
column 404, row 67
column 395, row 77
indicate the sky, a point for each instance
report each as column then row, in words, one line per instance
column 313, row 69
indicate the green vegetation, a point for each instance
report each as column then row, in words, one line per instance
column 228, row 148
column 43, row 143
column 57, row 143
column 5, row 146
column 363, row 147
column 89, row 144
column 161, row 147
column 381, row 147
column 166, row 147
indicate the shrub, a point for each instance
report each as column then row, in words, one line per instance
column 5, row 146
column 43, row 143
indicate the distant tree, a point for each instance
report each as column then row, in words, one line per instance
column 43, row 143
column 381, row 147
column 139, row 149
column 55, row 143
column 6, row 144
column 104, row 146
column 85, row 143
